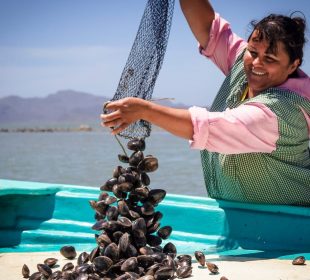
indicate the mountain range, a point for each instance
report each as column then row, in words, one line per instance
column 62, row 106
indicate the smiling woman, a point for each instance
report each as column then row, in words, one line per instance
column 254, row 140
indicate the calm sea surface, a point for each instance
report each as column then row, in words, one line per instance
column 88, row 159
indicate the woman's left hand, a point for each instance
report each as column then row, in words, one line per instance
column 125, row 112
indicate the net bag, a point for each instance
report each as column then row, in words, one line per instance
column 145, row 60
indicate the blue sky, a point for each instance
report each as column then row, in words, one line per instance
column 51, row 45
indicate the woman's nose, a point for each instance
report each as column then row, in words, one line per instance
column 257, row 62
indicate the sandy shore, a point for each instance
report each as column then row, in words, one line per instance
column 232, row 268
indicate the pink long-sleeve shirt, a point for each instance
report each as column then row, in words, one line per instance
column 238, row 130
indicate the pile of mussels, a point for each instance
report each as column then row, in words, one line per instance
column 130, row 234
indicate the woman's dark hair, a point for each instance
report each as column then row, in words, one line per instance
column 288, row 30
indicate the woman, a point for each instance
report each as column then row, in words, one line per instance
column 255, row 138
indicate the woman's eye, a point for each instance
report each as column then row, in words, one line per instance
column 269, row 60
column 253, row 54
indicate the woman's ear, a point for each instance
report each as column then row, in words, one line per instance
column 294, row 65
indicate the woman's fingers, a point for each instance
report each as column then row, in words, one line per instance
column 118, row 129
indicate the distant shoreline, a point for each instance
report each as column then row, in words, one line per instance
column 84, row 128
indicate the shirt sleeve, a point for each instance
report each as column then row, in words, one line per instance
column 249, row 128
column 224, row 46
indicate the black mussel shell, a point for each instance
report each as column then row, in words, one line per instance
column 103, row 240
column 109, row 184
column 94, row 253
column 152, row 269
column 124, row 222
column 55, row 275
column 118, row 192
column 170, row 250
column 130, row 264
column 184, row 260
column 25, row 271
column 124, row 243
column 148, row 164
column 112, row 213
column 126, row 178
column 299, row 260
column 68, row 252
column 164, row 273
column 156, row 196
column 123, row 208
column 200, row 257
column 169, row 262
column 139, row 238
column 147, row 277
column 164, row 232
column 184, row 271
column 147, row 209
column 116, row 236
column 103, row 196
column 136, row 158
column 123, row 158
column 35, row 276
column 131, row 251
column 50, row 262
column 145, row 261
column 118, row 171
column 112, row 252
column 136, row 144
column 83, row 258
column 153, row 240
column 102, row 263
column 68, row 266
column 145, row 179
column 139, row 224
column 83, row 269
column 146, row 250
column 213, row 268
column 44, row 269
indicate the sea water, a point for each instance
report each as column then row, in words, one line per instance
column 88, row 159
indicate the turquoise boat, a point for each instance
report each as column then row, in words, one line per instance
column 38, row 217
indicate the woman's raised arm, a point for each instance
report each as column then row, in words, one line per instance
column 199, row 15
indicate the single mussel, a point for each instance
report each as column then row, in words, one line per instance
column 83, row 258
column 153, row 240
column 94, row 253
column 164, row 232
column 146, row 250
column 50, row 261
column 102, row 263
column 68, row 252
column 155, row 196
column 299, row 260
column 112, row 213
column 184, row 271
column 136, row 144
column 145, row 179
column 213, row 268
column 118, row 192
column 118, row 171
column 124, row 243
column 124, row 222
column 147, row 209
column 139, row 224
column 25, row 271
column 123, row 158
column 55, row 275
column 44, row 269
column 170, row 250
column 36, row 276
column 123, row 208
column 139, row 238
column 148, row 164
column 164, row 273
column 145, row 261
column 130, row 264
column 184, row 260
column 109, row 184
column 200, row 257
column 112, row 252
column 68, row 266
column 136, row 158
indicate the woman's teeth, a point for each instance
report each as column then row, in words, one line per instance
column 258, row 73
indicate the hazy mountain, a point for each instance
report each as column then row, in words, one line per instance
column 62, row 106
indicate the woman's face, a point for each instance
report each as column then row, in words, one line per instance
column 265, row 69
